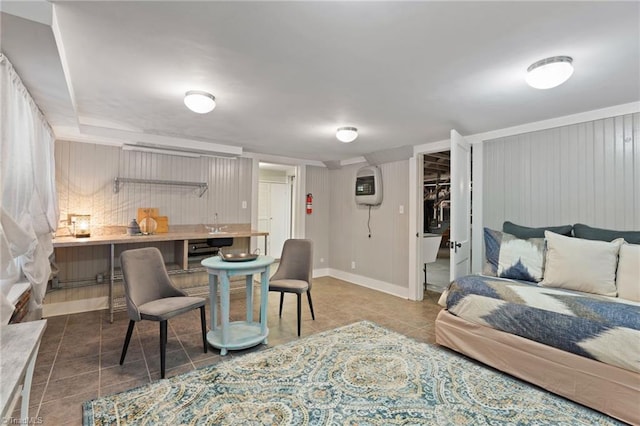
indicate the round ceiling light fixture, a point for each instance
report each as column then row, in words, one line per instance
column 550, row 72
column 346, row 134
column 199, row 101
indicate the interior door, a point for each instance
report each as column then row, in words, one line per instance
column 460, row 237
column 280, row 217
column 264, row 208
column 274, row 215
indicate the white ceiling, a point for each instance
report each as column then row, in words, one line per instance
column 287, row 74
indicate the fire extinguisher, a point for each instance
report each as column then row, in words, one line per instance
column 309, row 203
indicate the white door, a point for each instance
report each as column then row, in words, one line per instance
column 274, row 215
column 280, row 218
column 264, row 208
column 460, row 237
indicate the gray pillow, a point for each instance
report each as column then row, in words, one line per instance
column 589, row 233
column 527, row 232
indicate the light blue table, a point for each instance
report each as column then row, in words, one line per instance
column 238, row 334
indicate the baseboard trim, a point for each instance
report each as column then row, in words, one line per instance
column 74, row 306
column 385, row 287
column 321, row 272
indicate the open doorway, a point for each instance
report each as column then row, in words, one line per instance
column 436, row 220
column 275, row 204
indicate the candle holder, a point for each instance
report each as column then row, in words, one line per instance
column 80, row 225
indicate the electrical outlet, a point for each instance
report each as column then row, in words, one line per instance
column 244, row 204
column 401, row 209
column 353, row 264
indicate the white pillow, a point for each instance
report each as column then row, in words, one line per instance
column 581, row 265
column 628, row 275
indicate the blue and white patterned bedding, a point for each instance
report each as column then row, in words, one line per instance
column 603, row 328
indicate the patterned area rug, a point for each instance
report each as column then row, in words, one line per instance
column 360, row 374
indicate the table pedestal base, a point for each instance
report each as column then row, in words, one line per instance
column 242, row 335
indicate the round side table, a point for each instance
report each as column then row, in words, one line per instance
column 238, row 334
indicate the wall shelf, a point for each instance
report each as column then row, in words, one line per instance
column 117, row 182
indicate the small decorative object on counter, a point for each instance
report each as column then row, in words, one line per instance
column 80, row 225
column 133, row 228
column 163, row 224
column 148, row 225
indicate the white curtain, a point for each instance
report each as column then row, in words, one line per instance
column 29, row 207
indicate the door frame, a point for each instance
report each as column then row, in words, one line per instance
column 298, row 196
column 416, row 166
column 284, row 210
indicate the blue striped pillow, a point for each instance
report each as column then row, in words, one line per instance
column 508, row 256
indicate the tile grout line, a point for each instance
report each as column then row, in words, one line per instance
column 144, row 355
column 53, row 363
column 193, row 366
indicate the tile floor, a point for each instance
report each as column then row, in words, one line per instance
column 79, row 354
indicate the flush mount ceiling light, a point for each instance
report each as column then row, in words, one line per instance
column 550, row 72
column 199, row 101
column 347, row 134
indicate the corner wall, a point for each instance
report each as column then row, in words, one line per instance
column 382, row 261
column 317, row 224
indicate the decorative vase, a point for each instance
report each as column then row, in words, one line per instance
column 133, row 228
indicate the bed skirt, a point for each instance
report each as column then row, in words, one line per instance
column 608, row 389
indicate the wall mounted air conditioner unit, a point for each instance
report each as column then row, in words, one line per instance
column 181, row 151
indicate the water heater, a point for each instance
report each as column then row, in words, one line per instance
column 369, row 186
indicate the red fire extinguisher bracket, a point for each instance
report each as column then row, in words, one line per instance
column 309, row 203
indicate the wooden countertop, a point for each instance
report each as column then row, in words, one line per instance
column 185, row 232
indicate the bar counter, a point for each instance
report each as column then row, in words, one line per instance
column 113, row 236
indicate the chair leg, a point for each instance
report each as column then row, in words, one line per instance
column 163, row 346
column 299, row 311
column 203, row 323
column 132, row 323
column 281, row 301
column 310, row 305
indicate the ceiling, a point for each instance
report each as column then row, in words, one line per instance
column 286, row 74
column 437, row 166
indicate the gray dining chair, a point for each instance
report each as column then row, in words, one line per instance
column 150, row 295
column 294, row 273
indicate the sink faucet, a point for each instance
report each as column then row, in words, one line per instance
column 215, row 228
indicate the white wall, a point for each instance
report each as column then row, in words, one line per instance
column 381, row 261
column 317, row 224
column 587, row 173
column 85, row 174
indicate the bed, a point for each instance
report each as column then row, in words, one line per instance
column 581, row 346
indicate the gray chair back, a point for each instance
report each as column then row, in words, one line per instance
column 296, row 262
column 145, row 279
